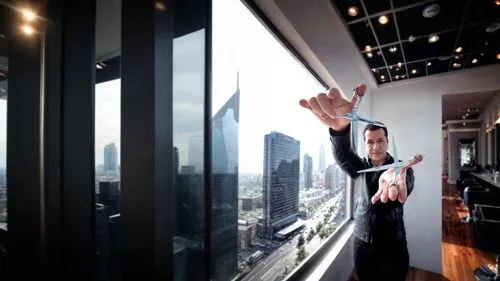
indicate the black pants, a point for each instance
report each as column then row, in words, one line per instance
column 387, row 262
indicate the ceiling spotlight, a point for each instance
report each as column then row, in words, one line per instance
column 393, row 49
column 383, row 19
column 430, row 11
column 374, row 70
column 382, row 77
column 370, row 55
column 28, row 15
column 397, row 77
column 413, row 38
column 414, row 71
column 493, row 27
column 368, row 48
column 353, row 11
column 400, row 64
column 474, row 61
column 497, row 2
column 433, row 38
column 28, row 30
column 498, row 56
column 456, row 65
column 429, row 63
column 458, row 50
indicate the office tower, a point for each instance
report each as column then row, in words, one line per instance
column 225, row 125
column 109, row 196
column 281, row 182
column 110, row 157
column 329, row 172
column 176, row 161
column 321, row 158
column 308, row 171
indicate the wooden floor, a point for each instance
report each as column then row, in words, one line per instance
column 460, row 256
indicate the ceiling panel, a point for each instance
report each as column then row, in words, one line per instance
column 466, row 33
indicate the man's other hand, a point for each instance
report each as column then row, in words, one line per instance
column 327, row 106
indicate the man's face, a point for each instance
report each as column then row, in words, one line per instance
column 376, row 144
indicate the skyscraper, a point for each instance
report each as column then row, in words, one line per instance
column 225, row 125
column 110, row 157
column 308, row 171
column 321, row 158
column 281, row 181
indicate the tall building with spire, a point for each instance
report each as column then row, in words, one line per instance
column 225, row 125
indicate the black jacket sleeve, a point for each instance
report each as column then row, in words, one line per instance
column 343, row 154
column 410, row 181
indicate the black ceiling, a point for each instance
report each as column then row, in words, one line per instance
column 459, row 23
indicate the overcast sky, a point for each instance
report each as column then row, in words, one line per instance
column 271, row 84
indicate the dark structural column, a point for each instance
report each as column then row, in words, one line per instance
column 69, row 137
column 146, row 140
column 25, row 244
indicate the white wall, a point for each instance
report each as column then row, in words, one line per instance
column 414, row 117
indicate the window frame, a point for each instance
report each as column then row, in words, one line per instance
column 307, row 266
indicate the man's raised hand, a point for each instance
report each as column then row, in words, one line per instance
column 327, row 106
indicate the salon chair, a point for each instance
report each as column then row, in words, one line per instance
column 486, row 235
column 478, row 194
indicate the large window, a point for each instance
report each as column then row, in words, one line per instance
column 277, row 193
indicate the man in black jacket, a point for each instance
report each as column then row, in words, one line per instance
column 380, row 249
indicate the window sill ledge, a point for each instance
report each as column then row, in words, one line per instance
column 317, row 269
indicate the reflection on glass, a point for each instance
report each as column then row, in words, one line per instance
column 188, row 105
column 225, row 125
column 270, row 211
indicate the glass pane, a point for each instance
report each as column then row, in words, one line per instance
column 4, row 69
column 107, row 139
column 277, row 193
column 188, row 105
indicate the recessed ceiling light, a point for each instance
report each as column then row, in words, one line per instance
column 374, row 70
column 497, row 2
column 400, row 64
column 493, row 27
column 369, row 55
column 352, row 11
column 456, row 65
column 397, row 77
column 414, row 71
column 498, row 56
column 28, row 30
column 430, row 11
column 429, row 63
column 464, row 123
column 382, row 77
column 412, row 38
column 393, row 49
column 474, row 61
column 368, row 48
column 458, row 50
column 433, row 38
column 383, row 19
column 28, row 15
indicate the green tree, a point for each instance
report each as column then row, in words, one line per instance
column 301, row 254
column 301, row 241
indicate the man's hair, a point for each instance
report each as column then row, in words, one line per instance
column 373, row 127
